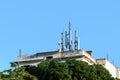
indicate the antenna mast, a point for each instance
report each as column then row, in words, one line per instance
column 76, row 41
column 59, row 49
column 70, row 37
column 68, row 40
column 19, row 57
column 62, row 43
column 107, row 57
column 20, row 52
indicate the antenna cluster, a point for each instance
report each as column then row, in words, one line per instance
column 67, row 44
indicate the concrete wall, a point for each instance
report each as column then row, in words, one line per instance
column 118, row 73
column 109, row 66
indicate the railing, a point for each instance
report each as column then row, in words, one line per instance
column 65, row 54
column 28, row 57
column 71, row 54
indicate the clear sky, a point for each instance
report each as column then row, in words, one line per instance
column 36, row 25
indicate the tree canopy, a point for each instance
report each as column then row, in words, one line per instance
column 57, row 70
column 71, row 69
column 16, row 73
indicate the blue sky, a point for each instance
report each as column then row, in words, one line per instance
column 36, row 25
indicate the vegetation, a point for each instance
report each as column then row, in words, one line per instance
column 16, row 73
column 69, row 70
column 56, row 70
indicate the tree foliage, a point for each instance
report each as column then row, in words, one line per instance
column 57, row 70
column 16, row 73
column 69, row 70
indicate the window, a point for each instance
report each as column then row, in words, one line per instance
column 49, row 57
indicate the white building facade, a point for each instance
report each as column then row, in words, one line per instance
column 114, row 71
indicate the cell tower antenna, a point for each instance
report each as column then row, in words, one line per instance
column 107, row 56
column 69, row 24
column 19, row 57
column 62, row 43
column 66, row 39
column 76, row 41
column 59, row 49
column 20, row 52
column 70, row 36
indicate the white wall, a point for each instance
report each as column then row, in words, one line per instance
column 118, row 74
column 109, row 66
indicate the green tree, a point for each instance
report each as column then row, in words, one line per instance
column 102, row 73
column 17, row 73
column 34, row 70
column 57, row 71
column 71, row 69
column 79, row 70
column 40, row 70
